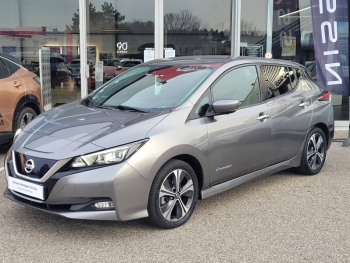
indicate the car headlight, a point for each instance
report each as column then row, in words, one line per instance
column 110, row 156
column 18, row 132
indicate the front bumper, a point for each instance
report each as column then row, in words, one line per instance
column 72, row 195
column 62, row 210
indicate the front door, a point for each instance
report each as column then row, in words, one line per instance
column 239, row 142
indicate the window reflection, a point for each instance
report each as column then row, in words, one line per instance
column 194, row 27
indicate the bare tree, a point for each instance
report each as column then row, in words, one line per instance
column 183, row 21
column 249, row 28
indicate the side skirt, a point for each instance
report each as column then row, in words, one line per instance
column 222, row 187
column 219, row 188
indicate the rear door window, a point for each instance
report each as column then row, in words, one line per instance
column 293, row 78
column 12, row 67
column 4, row 73
column 276, row 81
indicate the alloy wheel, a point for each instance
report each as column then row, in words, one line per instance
column 176, row 195
column 315, row 151
column 26, row 119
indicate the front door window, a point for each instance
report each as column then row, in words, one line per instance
column 241, row 84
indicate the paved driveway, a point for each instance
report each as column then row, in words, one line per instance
column 279, row 218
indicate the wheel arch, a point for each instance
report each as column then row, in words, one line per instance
column 190, row 154
column 196, row 166
column 325, row 130
column 30, row 101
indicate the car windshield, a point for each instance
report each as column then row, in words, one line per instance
column 152, row 87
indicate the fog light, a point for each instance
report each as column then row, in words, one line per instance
column 103, row 205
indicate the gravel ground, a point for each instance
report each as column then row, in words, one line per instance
column 283, row 217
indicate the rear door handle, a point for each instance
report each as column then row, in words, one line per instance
column 16, row 84
column 304, row 104
column 263, row 117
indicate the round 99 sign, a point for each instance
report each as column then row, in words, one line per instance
column 268, row 55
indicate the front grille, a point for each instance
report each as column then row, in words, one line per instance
column 41, row 165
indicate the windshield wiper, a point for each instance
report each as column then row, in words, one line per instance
column 100, row 107
column 122, row 107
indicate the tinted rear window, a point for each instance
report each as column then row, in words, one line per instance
column 3, row 70
column 12, row 67
column 277, row 81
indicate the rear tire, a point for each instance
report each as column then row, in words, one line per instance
column 173, row 195
column 314, row 153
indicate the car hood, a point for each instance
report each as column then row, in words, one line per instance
column 73, row 129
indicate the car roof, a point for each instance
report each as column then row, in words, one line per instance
column 225, row 59
column 267, row 60
column 9, row 57
column 193, row 59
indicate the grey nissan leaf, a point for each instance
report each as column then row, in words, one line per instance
column 162, row 135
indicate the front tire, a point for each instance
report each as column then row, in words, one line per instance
column 26, row 115
column 173, row 195
column 314, row 153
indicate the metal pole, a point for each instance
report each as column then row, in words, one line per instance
column 84, row 68
column 346, row 143
column 235, row 28
column 347, row 140
column 269, row 22
column 159, row 29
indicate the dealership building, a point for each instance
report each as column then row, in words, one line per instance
column 80, row 33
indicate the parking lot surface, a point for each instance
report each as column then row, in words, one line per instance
column 282, row 217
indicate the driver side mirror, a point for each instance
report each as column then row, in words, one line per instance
column 223, row 106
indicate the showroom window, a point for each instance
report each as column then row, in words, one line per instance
column 197, row 27
column 28, row 26
column 285, row 31
column 130, row 30
column 118, row 33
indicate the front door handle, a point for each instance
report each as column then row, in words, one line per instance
column 16, row 84
column 263, row 117
column 304, row 104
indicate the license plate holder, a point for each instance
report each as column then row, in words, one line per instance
column 26, row 188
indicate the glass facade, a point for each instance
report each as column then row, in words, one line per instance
column 121, row 34
column 286, row 31
column 118, row 33
column 27, row 26
column 197, row 27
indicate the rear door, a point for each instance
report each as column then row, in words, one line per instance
column 239, row 142
column 11, row 91
column 290, row 107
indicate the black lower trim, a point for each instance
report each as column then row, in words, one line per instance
column 55, row 209
column 6, row 137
